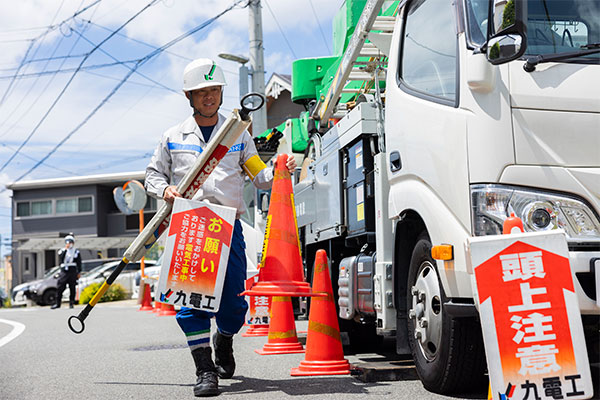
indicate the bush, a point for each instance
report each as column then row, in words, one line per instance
column 114, row 293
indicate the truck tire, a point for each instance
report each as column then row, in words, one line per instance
column 448, row 352
column 49, row 297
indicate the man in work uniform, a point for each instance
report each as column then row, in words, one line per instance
column 70, row 261
column 179, row 147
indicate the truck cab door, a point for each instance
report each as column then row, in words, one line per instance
column 424, row 124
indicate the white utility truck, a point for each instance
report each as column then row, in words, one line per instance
column 467, row 122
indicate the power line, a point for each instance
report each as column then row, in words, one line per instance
column 125, row 65
column 71, row 80
column 49, row 28
column 116, row 88
column 319, row 24
column 280, row 30
column 139, row 41
column 36, row 160
column 41, row 92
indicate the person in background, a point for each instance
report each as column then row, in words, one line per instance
column 203, row 83
column 70, row 262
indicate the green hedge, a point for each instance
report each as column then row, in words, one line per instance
column 115, row 292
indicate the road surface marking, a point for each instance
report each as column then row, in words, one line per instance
column 18, row 328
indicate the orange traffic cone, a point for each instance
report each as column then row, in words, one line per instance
column 166, row 310
column 324, row 353
column 281, row 273
column 512, row 224
column 147, row 300
column 282, row 329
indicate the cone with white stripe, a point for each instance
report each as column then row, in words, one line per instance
column 324, row 353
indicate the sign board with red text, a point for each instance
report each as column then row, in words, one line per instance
column 196, row 255
column 530, row 317
column 258, row 306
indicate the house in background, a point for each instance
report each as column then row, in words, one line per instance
column 46, row 210
column 279, row 100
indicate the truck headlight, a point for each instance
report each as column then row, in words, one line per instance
column 539, row 211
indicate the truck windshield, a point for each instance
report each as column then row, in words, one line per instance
column 553, row 26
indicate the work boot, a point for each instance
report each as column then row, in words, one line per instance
column 224, row 361
column 56, row 305
column 207, row 383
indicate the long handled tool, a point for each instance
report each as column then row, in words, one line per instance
column 206, row 162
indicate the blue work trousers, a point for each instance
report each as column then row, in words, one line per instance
column 232, row 310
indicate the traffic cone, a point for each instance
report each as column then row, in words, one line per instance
column 147, row 298
column 281, row 273
column 512, row 224
column 282, row 329
column 324, row 353
column 166, row 310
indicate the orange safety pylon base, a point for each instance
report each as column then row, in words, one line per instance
column 166, row 310
column 280, row 348
column 324, row 352
column 282, row 329
column 256, row 330
column 314, row 368
column 147, row 299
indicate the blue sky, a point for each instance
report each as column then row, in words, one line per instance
column 122, row 134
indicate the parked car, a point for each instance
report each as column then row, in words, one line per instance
column 99, row 274
column 22, row 294
column 43, row 291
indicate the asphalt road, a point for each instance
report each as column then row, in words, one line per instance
column 128, row 354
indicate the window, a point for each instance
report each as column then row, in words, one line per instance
column 62, row 206
column 74, row 205
column 429, row 48
column 85, row 204
column 66, row 206
column 41, row 207
column 23, row 209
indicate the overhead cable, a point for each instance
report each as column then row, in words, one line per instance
column 118, row 86
column 71, row 80
column 48, row 30
column 280, row 30
column 319, row 25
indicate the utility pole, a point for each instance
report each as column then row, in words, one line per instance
column 257, row 63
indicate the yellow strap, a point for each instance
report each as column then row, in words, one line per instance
column 282, row 335
column 253, row 166
column 324, row 329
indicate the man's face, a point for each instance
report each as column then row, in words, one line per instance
column 207, row 100
column 68, row 244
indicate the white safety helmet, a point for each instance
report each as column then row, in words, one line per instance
column 202, row 73
column 69, row 238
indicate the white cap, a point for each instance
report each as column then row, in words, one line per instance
column 202, row 73
column 69, row 238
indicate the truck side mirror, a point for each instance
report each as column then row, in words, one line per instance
column 506, row 30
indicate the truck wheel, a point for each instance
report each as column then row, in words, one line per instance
column 49, row 297
column 448, row 352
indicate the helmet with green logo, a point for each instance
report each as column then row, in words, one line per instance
column 202, row 73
